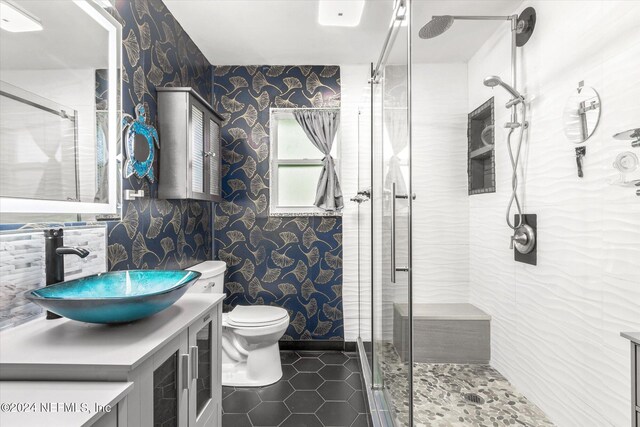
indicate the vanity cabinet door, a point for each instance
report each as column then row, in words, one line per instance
column 205, row 388
column 170, row 386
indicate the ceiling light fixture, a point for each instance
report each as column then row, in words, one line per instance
column 340, row 13
column 17, row 20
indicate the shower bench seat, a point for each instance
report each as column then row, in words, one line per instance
column 444, row 333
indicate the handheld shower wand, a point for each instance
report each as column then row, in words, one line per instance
column 522, row 236
column 493, row 81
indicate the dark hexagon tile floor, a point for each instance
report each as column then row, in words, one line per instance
column 317, row 389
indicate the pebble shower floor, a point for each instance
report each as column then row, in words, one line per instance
column 444, row 395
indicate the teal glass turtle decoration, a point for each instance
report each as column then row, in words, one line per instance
column 140, row 140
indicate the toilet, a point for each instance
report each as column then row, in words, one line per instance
column 250, row 334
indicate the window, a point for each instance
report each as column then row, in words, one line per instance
column 295, row 167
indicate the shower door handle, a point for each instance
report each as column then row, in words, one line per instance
column 394, row 197
column 393, row 232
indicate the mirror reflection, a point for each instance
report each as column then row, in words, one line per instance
column 54, row 89
column 581, row 114
column 140, row 148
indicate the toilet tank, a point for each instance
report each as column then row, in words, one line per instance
column 212, row 279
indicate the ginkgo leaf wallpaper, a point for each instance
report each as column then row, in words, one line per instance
column 155, row 233
column 290, row 262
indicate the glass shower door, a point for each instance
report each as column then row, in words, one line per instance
column 391, row 236
column 364, row 233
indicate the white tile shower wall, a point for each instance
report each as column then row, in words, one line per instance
column 555, row 326
column 353, row 82
column 441, row 209
column 22, row 267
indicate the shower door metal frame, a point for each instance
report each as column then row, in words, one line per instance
column 377, row 395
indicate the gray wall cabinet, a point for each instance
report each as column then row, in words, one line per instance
column 189, row 146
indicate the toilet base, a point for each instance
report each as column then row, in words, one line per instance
column 261, row 367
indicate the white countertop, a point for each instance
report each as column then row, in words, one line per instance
column 39, row 403
column 632, row 336
column 62, row 344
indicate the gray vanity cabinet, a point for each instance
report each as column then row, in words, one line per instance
column 189, row 146
column 186, row 378
column 634, row 337
column 204, row 395
column 635, row 380
column 172, row 358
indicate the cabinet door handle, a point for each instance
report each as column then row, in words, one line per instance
column 184, row 370
column 193, row 353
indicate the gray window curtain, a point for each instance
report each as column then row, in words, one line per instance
column 321, row 126
column 395, row 125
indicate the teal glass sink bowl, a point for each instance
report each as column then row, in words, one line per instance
column 115, row 297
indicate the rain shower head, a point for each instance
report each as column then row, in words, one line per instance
column 435, row 27
column 493, row 81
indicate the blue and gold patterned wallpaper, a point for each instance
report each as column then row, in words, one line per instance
column 153, row 233
column 290, row 262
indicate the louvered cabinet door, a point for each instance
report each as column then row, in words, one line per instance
column 213, row 159
column 198, row 150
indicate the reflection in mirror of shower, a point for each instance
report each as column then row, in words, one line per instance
column 39, row 149
column 487, row 135
column 581, row 114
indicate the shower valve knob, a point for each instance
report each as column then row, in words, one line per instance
column 524, row 239
column 519, row 238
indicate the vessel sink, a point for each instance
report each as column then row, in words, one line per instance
column 115, row 297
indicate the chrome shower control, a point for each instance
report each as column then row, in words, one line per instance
column 524, row 239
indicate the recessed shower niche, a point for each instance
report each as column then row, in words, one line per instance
column 481, row 137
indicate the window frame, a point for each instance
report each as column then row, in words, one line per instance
column 276, row 209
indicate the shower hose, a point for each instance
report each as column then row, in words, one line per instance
column 514, row 165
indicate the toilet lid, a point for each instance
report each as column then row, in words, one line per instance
column 256, row 315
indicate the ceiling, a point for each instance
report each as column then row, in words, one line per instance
column 285, row 32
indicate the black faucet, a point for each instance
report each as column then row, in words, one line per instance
column 54, row 259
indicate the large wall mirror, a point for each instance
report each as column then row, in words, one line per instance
column 59, row 103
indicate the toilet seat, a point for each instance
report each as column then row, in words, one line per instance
column 255, row 316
